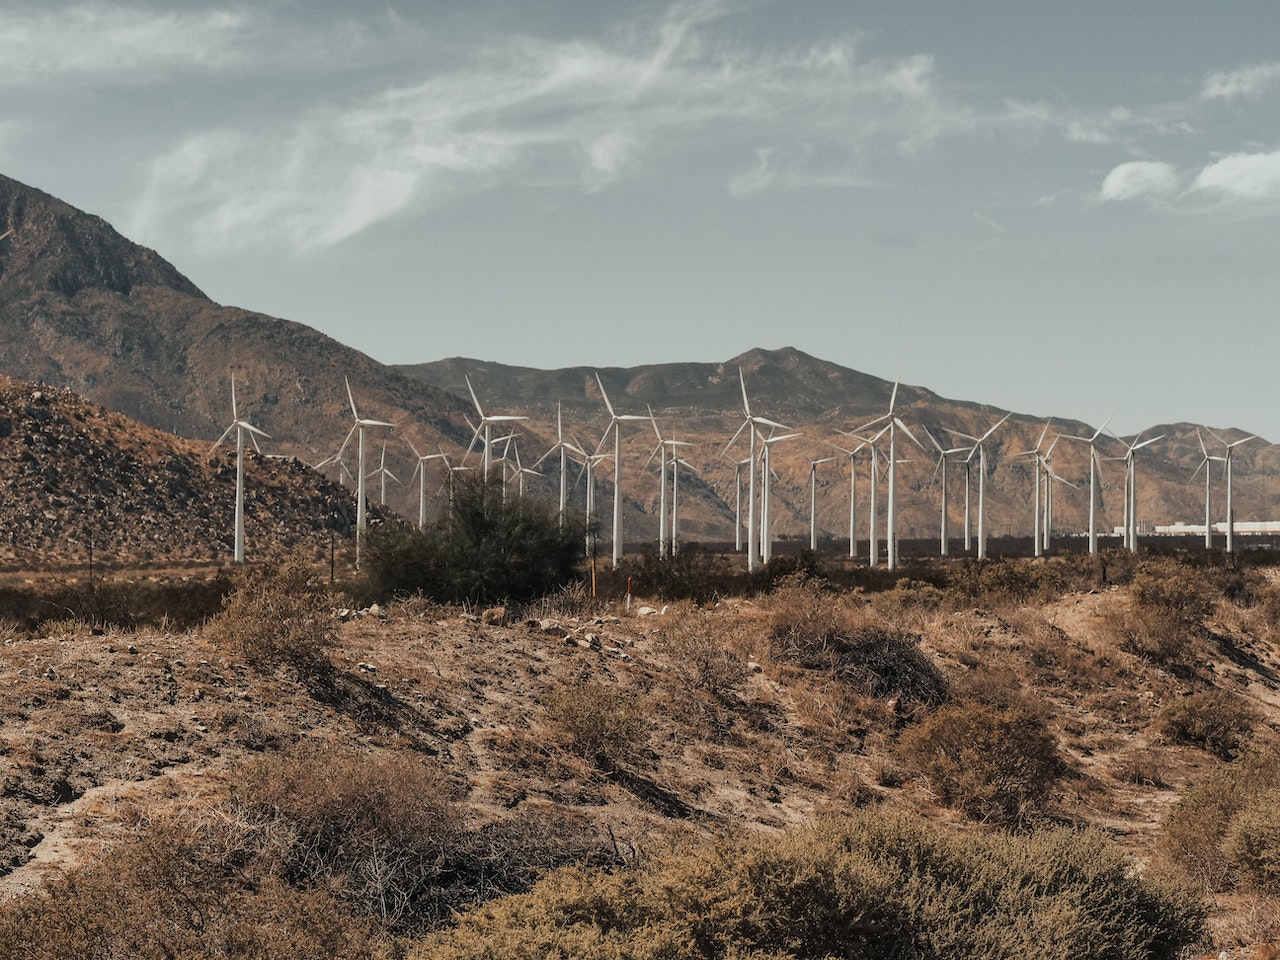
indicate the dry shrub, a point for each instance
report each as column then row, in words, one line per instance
column 1184, row 591
column 863, row 888
column 704, row 653
column 908, row 596
column 1161, row 636
column 995, row 765
column 379, row 828
column 1005, row 581
column 1252, row 842
column 277, row 614
column 1195, row 831
column 817, row 632
column 1213, row 719
column 598, row 722
column 187, row 886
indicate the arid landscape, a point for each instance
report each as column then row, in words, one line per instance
column 679, row 757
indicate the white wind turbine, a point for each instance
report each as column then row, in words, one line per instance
column 813, row 499
column 1131, row 489
column 564, row 448
column 980, row 450
column 615, row 424
column 483, row 430
column 1038, row 460
column 873, row 541
column 943, row 454
column 521, row 471
column 1229, row 449
column 893, row 423
column 1206, row 463
column 766, row 516
column 737, row 509
column 853, row 497
column 668, row 458
column 752, row 425
column 676, row 463
column 1093, row 480
column 382, row 472
column 357, row 430
column 420, row 471
column 242, row 428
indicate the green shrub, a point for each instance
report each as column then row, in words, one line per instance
column 277, row 614
column 995, row 765
column 869, row 887
column 488, row 549
column 1213, row 719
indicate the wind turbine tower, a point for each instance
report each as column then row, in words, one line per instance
column 241, row 427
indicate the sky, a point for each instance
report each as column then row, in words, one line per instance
column 1067, row 209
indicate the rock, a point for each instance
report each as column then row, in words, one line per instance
column 646, row 611
column 495, row 616
column 366, row 667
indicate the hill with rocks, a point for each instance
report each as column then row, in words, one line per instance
column 81, row 480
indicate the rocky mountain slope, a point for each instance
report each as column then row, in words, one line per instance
column 80, row 479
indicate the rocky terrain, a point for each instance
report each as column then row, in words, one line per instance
column 99, row 733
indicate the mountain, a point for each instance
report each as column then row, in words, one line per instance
column 84, row 308
column 702, row 403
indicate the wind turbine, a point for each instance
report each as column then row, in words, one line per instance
column 943, row 454
column 486, row 423
column 615, row 424
column 520, row 470
column 357, row 430
column 241, row 427
column 1208, row 516
column 665, row 451
column 766, row 516
column 980, row 450
column 382, row 473
column 420, row 471
column 813, row 499
column 676, row 464
column 1039, row 460
column 1228, row 451
column 853, row 498
column 1131, row 489
column 893, row 423
column 1093, row 479
column 564, row 448
column 752, row 425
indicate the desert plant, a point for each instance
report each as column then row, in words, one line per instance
column 1252, row 842
column 1194, row 832
column 277, row 614
column 995, row 765
column 862, row 888
column 488, row 548
column 1213, row 719
column 596, row 721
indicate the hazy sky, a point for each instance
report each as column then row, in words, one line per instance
column 1065, row 209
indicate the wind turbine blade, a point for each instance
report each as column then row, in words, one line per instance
column 413, row 448
column 1245, row 440
column 905, row 429
column 1147, row 443
column 736, row 435
column 235, row 414
column 893, row 397
column 1215, row 436
column 1202, row 447
column 225, row 433
column 1098, row 432
column 746, row 405
column 937, row 446
column 607, row 405
column 996, row 426
column 471, row 390
column 869, row 423
column 351, row 398
column 654, row 422
column 1043, row 433
column 770, row 423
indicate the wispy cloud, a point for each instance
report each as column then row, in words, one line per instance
column 1248, row 81
column 581, row 113
column 92, row 39
column 1140, row 178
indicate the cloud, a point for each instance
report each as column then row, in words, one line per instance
column 576, row 113
column 1250, row 81
column 1139, row 178
column 92, row 39
column 1244, row 177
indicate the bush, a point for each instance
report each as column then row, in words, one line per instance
column 597, row 722
column 187, row 886
column 869, row 887
column 994, row 765
column 1196, row 829
column 1214, row 719
column 1252, row 842
column 488, row 549
column 277, row 614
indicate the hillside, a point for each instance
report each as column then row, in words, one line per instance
column 83, row 308
column 574, row 730
column 83, row 481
